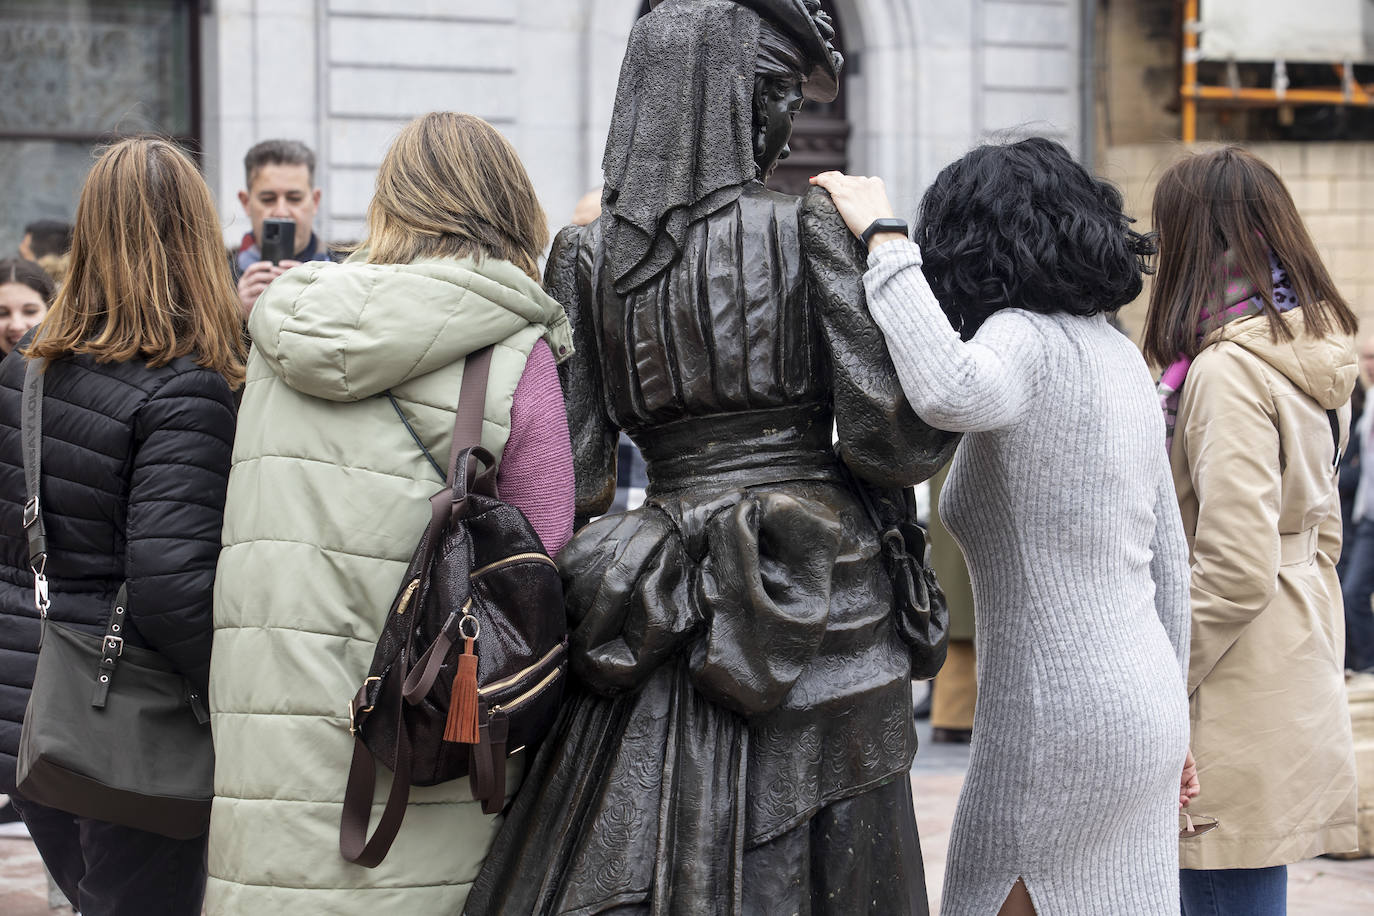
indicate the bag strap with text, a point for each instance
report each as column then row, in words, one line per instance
column 31, row 434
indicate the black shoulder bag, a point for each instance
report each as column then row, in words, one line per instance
column 919, row 610
column 470, row 665
column 112, row 732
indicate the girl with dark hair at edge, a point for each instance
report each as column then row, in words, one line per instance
column 1260, row 355
column 1061, row 500
column 144, row 349
column 26, row 291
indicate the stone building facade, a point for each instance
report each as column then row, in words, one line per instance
column 926, row 79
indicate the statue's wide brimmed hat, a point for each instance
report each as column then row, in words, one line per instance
column 792, row 17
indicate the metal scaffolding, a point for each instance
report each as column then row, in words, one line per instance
column 1349, row 91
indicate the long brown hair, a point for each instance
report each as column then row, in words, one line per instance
column 148, row 276
column 1229, row 204
column 452, row 186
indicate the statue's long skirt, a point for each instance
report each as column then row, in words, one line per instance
column 746, row 747
column 568, row 847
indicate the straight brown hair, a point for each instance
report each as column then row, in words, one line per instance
column 148, row 276
column 1230, row 203
column 452, row 186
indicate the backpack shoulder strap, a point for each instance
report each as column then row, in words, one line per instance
column 467, row 423
column 472, row 404
column 354, row 844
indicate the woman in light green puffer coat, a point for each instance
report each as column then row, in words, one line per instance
column 329, row 495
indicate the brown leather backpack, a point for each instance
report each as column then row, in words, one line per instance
column 471, row 662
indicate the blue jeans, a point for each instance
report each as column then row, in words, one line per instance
column 1356, row 589
column 1234, row 891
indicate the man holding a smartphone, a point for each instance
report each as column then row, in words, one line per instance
column 281, row 202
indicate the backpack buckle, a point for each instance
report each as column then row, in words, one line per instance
column 356, row 707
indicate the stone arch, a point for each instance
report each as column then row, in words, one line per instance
column 884, row 90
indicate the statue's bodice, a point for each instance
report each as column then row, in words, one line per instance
column 729, row 328
column 744, row 354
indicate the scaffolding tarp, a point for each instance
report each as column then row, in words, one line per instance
column 1328, row 31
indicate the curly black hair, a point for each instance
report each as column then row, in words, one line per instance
column 1024, row 226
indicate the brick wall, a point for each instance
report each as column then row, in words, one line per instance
column 1332, row 184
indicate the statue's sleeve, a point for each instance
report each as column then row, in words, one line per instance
column 567, row 278
column 880, row 437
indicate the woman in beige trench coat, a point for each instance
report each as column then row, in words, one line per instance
column 1245, row 312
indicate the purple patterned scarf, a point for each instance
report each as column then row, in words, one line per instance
column 1246, row 301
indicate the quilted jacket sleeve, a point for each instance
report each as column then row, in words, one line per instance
column 182, row 440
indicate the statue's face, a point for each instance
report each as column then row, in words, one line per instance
column 776, row 102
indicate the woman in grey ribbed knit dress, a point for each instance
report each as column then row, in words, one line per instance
column 1061, row 498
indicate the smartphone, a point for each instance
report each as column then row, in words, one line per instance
column 278, row 239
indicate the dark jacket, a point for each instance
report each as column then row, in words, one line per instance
column 135, row 463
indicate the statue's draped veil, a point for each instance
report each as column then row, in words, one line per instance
column 670, row 158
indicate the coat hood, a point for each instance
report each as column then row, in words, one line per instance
column 345, row 332
column 1323, row 367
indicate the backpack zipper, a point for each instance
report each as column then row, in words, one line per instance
column 516, row 678
column 516, row 558
column 407, row 595
column 528, row 694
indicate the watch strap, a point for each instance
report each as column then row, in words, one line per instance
column 886, row 224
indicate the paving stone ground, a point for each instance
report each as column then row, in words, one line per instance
column 23, row 889
column 1320, row 887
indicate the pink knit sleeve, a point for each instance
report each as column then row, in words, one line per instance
column 536, row 470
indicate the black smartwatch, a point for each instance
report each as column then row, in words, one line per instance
column 886, row 224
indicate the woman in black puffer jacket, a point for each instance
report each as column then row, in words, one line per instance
column 144, row 347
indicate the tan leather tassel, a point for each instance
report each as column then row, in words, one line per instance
column 461, row 725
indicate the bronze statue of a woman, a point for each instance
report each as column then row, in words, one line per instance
column 745, row 641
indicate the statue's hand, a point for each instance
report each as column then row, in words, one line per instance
column 860, row 201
